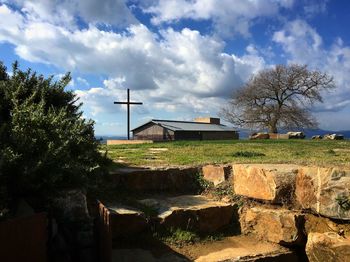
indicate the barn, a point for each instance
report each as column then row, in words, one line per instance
column 208, row 128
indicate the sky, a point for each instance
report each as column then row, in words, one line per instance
column 181, row 58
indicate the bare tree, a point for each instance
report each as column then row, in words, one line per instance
column 280, row 97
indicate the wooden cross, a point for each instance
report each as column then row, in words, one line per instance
column 128, row 103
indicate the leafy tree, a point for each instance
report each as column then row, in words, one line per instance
column 45, row 143
column 279, row 97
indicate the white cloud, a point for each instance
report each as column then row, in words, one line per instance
column 172, row 71
column 300, row 41
column 315, row 7
column 82, row 81
column 304, row 45
column 65, row 12
column 229, row 17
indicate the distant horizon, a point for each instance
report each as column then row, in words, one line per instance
column 316, row 129
column 181, row 59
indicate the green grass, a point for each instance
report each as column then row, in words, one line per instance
column 183, row 153
column 179, row 237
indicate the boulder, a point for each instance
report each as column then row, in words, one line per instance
column 325, row 191
column 126, row 221
column 316, row 137
column 266, row 182
column 278, row 136
column 327, row 247
column 259, row 136
column 216, row 173
column 333, row 137
column 280, row 226
column 296, row 135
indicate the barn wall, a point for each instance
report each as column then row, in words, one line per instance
column 153, row 132
column 188, row 135
column 205, row 135
column 224, row 135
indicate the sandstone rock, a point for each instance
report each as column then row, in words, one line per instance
column 126, row 221
column 333, row 137
column 316, row 223
column 259, row 136
column 316, row 137
column 266, row 182
column 275, row 225
column 327, row 247
column 195, row 212
column 215, row 173
column 179, row 180
column 325, row 191
column 278, row 136
column 246, row 248
column 296, row 135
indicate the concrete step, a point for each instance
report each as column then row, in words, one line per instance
column 188, row 212
column 236, row 248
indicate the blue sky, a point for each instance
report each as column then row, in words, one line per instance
column 181, row 58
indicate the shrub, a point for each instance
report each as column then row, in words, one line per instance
column 45, row 144
column 247, row 154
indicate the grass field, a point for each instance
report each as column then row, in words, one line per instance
column 183, row 153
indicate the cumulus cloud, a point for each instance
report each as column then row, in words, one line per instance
column 172, row 70
column 313, row 8
column 304, row 45
column 229, row 17
column 65, row 12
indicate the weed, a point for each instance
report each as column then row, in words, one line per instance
column 343, row 202
column 248, row 154
column 331, row 152
column 201, row 183
column 178, row 236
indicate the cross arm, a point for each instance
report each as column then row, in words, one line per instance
column 130, row 103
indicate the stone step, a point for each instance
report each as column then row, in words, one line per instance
column 236, row 248
column 170, row 180
column 188, row 212
column 194, row 212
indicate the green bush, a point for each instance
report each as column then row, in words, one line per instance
column 45, row 144
column 247, row 154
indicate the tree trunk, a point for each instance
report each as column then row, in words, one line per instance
column 273, row 129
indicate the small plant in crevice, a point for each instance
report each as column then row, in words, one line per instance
column 247, row 154
column 181, row 237
column 177, row 236
column 201, row 184
column 343, row 202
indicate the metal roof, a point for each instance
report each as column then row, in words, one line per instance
column 188, row 126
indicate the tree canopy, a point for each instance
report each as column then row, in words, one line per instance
column 45, row 143
column 279, row 97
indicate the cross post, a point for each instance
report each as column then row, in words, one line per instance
column 128, row 103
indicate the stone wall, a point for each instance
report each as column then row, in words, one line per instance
column 295, row 206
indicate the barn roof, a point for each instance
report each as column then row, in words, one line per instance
column 188, row 126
